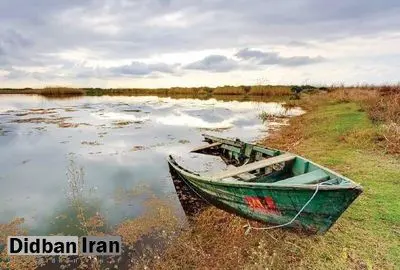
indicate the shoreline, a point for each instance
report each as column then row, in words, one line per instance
column 339, row 134
column 338, row 131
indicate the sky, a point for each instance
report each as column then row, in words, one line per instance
column 165, row 43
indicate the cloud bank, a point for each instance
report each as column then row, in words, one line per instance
column 168, row 41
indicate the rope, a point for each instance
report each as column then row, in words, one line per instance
column 249, row 227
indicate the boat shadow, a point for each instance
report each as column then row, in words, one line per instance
column 192, row 204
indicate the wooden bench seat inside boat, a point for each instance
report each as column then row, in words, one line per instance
column 253, row 166
column 246, row 176
column 312, row 177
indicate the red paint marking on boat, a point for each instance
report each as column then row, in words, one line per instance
column 266, row 204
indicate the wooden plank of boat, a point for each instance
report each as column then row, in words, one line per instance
column 206, row 146
column 244, row 176
column 253, row 166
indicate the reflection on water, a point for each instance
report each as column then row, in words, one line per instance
column 121, row 142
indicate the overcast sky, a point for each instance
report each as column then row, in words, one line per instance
column 162, row 43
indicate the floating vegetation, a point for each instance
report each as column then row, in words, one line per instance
column 158, row 217
column 42, row 111
column 3, row 132
column 70, row 110
column 72, row 125
column 268, row 116
column 40, row 120
column 40, row 128
column 14, row 262
column 220, row 129
column 67, row 125
column 121, row 194
column 132, row 110
column 121, row 123
column 91, row 143
column 21, row 114
column 94, row 153
column 137, row 148
column 101, row 134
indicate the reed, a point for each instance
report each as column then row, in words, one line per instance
column 270, row 90
column 229, row 90
column 60, row 91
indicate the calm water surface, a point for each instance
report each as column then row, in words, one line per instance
column 120, row 142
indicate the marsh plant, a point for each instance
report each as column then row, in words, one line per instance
column 78, row 196
column 88, row 224
column 270, row 116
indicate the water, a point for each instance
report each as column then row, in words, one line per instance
column 120, row 142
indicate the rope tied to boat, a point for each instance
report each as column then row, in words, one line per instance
column 249, row 227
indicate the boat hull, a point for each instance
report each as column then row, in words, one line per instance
column 275, row 205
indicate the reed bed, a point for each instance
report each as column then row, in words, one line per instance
column 60, row 91
column 229, row 90
column 269, row 90
column 259, row 90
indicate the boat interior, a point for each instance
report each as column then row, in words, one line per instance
column 252, row 163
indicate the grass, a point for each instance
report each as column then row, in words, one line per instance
column 351, row 130
column 269, row 90
column 367, row 236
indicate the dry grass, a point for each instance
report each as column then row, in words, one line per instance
column 383, row 107
column 59, row 91
column 229, row 90
column 269, row 90
column 336, row 133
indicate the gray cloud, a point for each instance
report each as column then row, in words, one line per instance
column 69, row 70
column 216, row 63
column 295, row 43
column 138, row 69
column 273, row 58
column 34, row 33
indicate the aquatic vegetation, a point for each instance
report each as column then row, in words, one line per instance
column 3, row 132
column 217, row 129
column 137, row 148
column 270, row 116
column 121, row 123
column 91, row 142
column 70, row 110
column 14, row 262
column 140, row 189
column 132, row 110
column 41, row 120
column 21, row 114
column 41, row 111
column 157, row 226
column 67, row 125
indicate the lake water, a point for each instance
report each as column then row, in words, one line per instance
column 120, row 142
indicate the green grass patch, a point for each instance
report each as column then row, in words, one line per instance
column 371, row 224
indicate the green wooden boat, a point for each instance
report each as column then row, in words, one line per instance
column 272, row 186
